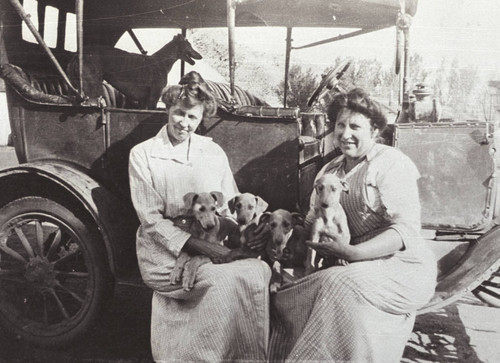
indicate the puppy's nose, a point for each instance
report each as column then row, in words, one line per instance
column 208, row 227
column 241, row 221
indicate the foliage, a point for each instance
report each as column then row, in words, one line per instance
column 256, row 71
column 301, row 85
column 457, row 88
column 460, row 91
column 365, row 73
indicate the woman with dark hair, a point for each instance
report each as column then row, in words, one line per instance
column 362, row 312
column 225, row 317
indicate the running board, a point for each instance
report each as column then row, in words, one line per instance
column 480, row 261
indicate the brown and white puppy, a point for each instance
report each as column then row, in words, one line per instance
column 286, row 248
column 249, row 209
column 207, row 225
column 330, row 218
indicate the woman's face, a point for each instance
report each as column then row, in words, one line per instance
column 183, row 121
column 354, row 134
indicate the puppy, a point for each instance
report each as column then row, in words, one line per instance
column 207, row 225
column 330, row 218
column 286, row 248
column 249, row 209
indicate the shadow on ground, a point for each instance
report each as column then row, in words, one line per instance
column 440, row 336
column 122, row 336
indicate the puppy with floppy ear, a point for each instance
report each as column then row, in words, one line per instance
column 286, row 248
column 207, row 225
column 249, row 209
column 203, row 207
column 287, row 243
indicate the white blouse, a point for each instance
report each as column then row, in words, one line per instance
column 160, row 175
column 383, row 193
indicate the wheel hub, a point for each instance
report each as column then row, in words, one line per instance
column 40, row 272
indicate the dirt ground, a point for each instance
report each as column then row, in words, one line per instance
column 466, row 331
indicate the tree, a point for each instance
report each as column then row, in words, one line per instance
column 301, row 85
column 460, row 90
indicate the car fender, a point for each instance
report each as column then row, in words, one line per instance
column 106, row 209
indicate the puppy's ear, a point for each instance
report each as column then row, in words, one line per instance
column 297, row 219
column 264, row 218
column 261, row 204
column 317, row 184
column 232, row 202
column 189, row 199
column 218, row 197
column 345, row 186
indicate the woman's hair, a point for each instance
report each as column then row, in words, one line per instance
column 358, row 100
column 191, row 91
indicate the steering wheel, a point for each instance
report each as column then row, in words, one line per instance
column 330, row 81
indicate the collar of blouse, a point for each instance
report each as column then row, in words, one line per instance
column 162, row 148
column 372, row 153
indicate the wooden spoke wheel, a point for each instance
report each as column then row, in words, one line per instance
column 54, row 276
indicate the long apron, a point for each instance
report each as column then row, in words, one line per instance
column 363, row 312
column 225, row 318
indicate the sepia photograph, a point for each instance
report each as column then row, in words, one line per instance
column 249, row 181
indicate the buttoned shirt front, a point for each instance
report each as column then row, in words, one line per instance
column 160, row 175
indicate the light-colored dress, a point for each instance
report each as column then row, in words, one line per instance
column 226, row 315
column 365, row 311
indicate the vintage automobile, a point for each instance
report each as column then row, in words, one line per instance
column 67, row 226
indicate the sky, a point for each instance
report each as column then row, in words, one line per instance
column 467, row 30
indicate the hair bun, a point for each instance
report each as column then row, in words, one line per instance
column 195, row 85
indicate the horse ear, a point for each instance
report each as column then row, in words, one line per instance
column 189, row 199
column 297, row 219
column 232, row 202
column 218, row 197
column 261, row 205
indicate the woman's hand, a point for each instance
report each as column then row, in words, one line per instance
column 217, row 253
column 331, row 247
column 386, row 243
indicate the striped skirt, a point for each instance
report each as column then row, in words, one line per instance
column 363, row 312
column 225, row 318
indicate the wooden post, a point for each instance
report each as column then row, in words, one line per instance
column 183, row 64
column 231, row 25
column 287, row 63
column 79, row 42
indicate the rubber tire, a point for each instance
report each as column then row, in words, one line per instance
column 92, row 246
